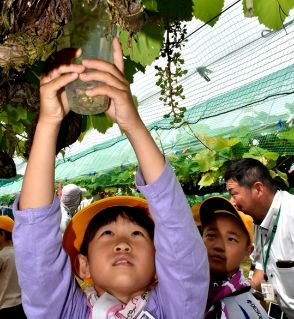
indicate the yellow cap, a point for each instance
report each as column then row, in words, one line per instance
column 6, row 223
column 75, row 231
column 195, row 212
column 219, row 204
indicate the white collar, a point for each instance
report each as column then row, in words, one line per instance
column 103, row 304
column 275, row 206
column 107, row 306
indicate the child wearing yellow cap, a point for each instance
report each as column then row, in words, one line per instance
column 228, row 237
column 10, row 294
column 108, row 244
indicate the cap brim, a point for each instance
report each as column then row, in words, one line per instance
column 74, row 233
column 218, row 204
column 214, row 205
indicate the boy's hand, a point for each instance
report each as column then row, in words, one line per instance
column 115, row 86
column 53, row 99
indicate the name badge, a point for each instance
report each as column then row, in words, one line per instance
column 267, row 290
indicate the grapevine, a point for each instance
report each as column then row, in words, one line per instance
column 169, row 76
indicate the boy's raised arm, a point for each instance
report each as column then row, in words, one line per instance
column 45, row 277
column 37, row 188
column 123, row 112
column 38, row 185
column 150, row 159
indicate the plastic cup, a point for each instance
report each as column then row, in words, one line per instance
column 93, row 34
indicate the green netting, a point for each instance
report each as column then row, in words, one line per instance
column 11, row 187
column 102, row 158
column 263, row 123
column 262, row 126
column 267, row 94
column 249, row 96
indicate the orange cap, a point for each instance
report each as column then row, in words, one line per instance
column 6, row 223
column 195, row 212
column 75, row 231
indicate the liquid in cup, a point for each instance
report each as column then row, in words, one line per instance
column 93, row 34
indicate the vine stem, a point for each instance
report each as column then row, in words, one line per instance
column 169, row 78
column 198, row 139
column 282, row 162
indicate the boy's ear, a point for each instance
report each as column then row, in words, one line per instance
column 82, row 266
column 248, row 252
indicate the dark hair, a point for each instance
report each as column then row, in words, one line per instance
column 8, row 235
column 106, row 216
column 248, row 171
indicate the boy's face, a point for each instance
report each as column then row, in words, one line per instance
column 121, row 260
column 227, row 244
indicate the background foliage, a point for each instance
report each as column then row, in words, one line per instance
column 30, row 32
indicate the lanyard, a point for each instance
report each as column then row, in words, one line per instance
column 272, row 236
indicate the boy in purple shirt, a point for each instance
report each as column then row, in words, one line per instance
column 46, row 278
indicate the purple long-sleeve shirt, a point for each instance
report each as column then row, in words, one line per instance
column 49, row 289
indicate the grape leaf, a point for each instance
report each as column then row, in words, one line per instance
column 206, row 10
column 101, row 122
column 287, row 135
column 205, row 158
column 272, row 13
column 207, row 179
column 131, row 68
column 268, row 158
column 145, row 45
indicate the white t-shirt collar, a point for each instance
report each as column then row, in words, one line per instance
column 275, row 206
